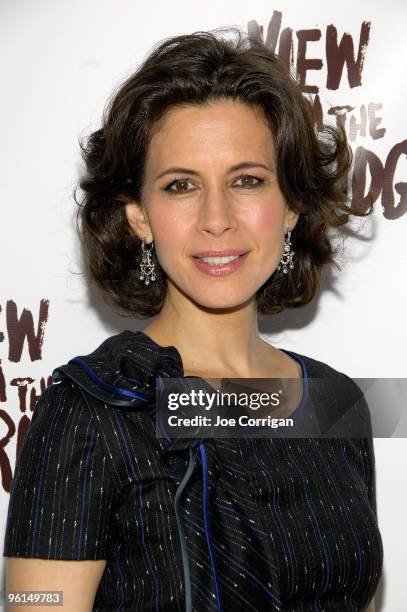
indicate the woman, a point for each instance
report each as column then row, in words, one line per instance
column 208, row 199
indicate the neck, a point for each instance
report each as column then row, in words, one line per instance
column 222, row 342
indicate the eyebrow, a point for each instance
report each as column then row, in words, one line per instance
column 231, row 169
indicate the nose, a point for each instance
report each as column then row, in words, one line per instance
column 216, row 213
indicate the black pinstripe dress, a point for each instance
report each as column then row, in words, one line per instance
column 214, row 524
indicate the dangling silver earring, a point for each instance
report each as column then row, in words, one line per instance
column 147, row 266
column 287, row 258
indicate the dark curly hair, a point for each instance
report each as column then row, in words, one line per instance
column 198, row 68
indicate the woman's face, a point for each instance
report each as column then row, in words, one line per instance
column 211, row 185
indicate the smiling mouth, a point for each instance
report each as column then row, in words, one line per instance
column 218, row 261
column 218, row 266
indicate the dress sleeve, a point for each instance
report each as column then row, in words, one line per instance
column 62, row 493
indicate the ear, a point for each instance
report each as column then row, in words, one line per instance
column 138, row 220
column 291, row 218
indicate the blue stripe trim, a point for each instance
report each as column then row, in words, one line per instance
column 159, row 417
column 326, row 568
column 200, row 591
column 181, row 530
column 108, row 387
column 207, row 526
column 131, row 463
column 277, row 513
column 44, row 459
column 86, row 479
column 239, row 565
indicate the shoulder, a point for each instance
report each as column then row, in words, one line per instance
column 319, row 369
column 60, row 419
column 61, row 399
column 63, row 437
column 339, row 396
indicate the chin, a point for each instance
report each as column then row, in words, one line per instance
column 217, row 295
column 216, row 301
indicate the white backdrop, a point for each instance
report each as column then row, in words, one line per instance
column 60, row 60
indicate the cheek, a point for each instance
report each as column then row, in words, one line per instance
column 267, row 224
column 170, row 232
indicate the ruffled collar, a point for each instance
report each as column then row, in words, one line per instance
column 122, row 370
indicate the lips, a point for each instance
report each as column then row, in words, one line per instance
column 219, row 269
column 217, row 253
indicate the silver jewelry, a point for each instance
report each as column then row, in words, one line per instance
column 147, row 266
column 287, row 258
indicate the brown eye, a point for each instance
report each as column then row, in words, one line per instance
column 181, row 181
column 249, row 183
